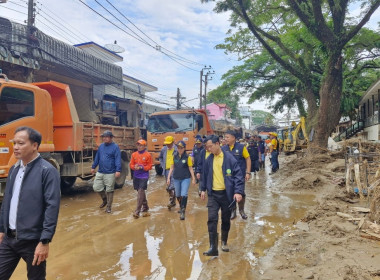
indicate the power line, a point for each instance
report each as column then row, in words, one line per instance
column 140, row 40
column 185, row 59
column 63, row 24
column 14, row 10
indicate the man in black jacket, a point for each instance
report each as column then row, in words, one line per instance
column 224, row 183
column 29, row 212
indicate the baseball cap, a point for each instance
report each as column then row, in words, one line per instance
column 141, row 142
column 199, row 140
column 107, row 133
column 168, row 140
column 181, row 144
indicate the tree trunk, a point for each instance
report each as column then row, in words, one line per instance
column 330, row 98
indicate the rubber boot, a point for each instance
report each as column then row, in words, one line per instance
column 213, row 251
column 179, row 203
column 233, row 213
column 224, row 238
column 109, row 201
column 183, row 207
column 241, row 208
column 104, row 198
column 171, row 199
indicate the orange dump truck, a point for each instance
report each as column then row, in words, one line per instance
column 181, row 124
column 67, row 143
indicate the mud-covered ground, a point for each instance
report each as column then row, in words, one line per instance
column 292, row 233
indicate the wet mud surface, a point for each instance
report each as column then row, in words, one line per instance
column 90, row 244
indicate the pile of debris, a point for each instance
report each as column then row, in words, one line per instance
column 362, row 177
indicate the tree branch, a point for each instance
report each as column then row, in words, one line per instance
column 364, row 20
column 255, row 30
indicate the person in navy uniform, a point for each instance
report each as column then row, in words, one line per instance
column 224, row 183
column 240, row 152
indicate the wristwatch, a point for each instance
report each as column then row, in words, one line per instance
column 45, row 241
column 248, row 173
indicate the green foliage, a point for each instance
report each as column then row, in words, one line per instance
column 262, row 117
column 286, row 49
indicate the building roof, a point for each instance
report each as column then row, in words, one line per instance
column 49, row 53
column 372, row 90
column 220, row 105
column 147, row 87
column 99, row 51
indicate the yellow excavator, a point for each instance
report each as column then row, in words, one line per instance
column 296, row 138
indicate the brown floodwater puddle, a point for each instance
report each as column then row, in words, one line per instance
column 90, row 244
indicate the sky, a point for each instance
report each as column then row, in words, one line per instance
column 186, row 30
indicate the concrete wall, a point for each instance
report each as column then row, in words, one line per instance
column 371, row 133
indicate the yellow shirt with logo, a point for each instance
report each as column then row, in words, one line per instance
column 217, row 175
column 189, row 161
column 274, row 143
column 169, row 158
column 245, row 151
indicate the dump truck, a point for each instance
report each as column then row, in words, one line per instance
column 181, row 124
column 69, row 144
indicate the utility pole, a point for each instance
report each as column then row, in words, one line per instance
column 31, row 14
column 30, row 36
column 200, row 90
column 207, row 78
column 179, row 98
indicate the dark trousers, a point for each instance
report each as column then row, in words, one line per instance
column 274, row 159
column 12, row 250
column 218, row 200
column 140, row 185
column 141, row 201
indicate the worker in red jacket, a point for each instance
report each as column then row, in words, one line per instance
column 141, row 163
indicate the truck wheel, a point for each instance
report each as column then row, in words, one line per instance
column 67, row 184
column 159, row 170
column 119, row 182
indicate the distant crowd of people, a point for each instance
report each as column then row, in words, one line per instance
column 220, row 164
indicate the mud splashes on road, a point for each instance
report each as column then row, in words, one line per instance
column 90, row 244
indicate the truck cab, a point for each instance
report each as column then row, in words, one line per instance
column 181, row 124
column 22, row 104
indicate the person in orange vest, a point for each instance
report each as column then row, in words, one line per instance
column 141, row 163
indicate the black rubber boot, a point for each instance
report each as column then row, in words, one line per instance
column 109, row 201
column 213, row 251
column 233, row 213
column 104, row 198
column 241, row 208
column 183, row 207
column 224, row 238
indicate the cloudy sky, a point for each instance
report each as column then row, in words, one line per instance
column 186, row 30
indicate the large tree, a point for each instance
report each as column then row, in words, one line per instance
column 326, row 23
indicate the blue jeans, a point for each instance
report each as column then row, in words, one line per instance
column 275, row 164
column 181, row 187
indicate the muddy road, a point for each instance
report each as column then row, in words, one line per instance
column 90, row 244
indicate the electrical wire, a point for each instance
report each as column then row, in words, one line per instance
column 13, row 10
column 184, row 59
column 140, row 40
column 99, row 53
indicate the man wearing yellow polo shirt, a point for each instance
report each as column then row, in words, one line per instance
column 166, row 161
column 241, row 154
column 224, row 183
